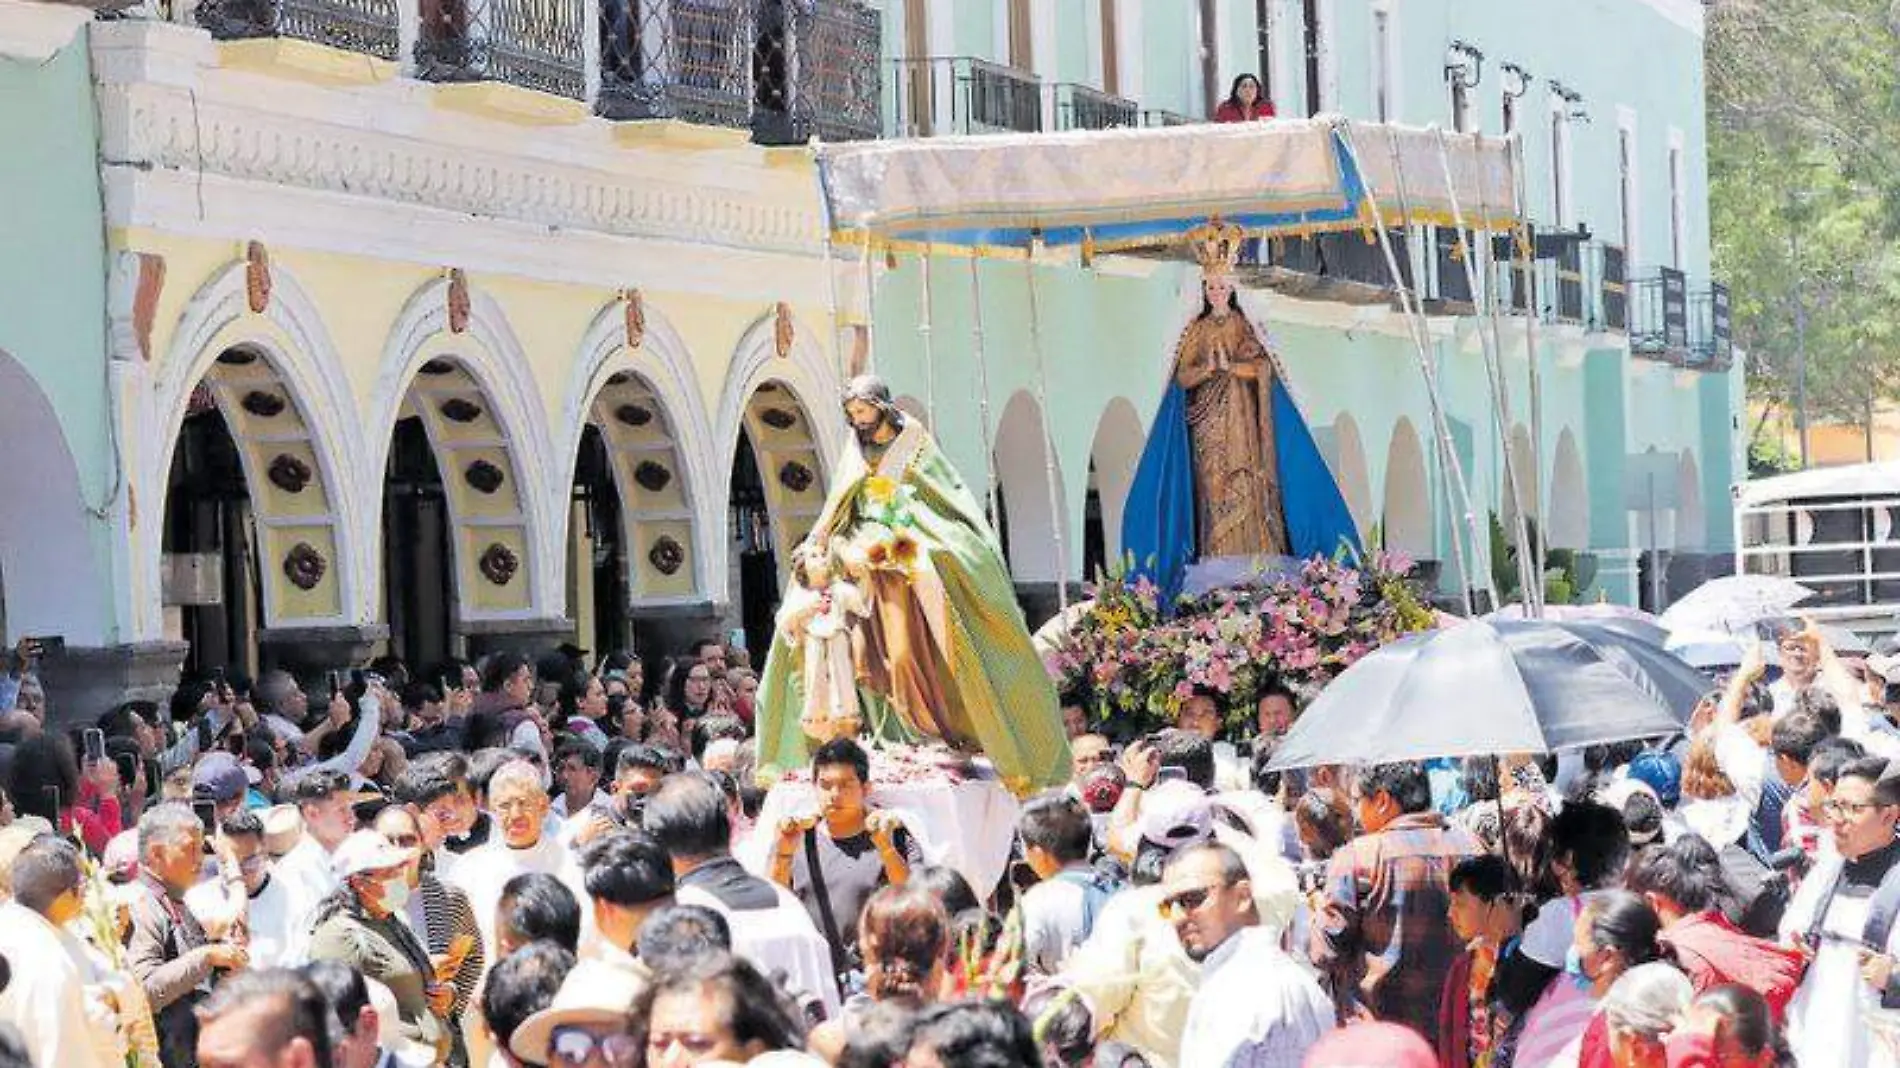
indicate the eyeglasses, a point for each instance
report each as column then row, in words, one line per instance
column 1847, row 808
column 572, row 1047
column 1186, row 900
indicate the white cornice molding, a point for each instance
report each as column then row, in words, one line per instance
column 36, row 32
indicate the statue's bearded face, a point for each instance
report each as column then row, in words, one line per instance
column 867, row 419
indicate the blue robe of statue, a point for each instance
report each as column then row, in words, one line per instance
column 1158, row 522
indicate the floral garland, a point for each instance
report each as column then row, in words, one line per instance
column 1131, row 665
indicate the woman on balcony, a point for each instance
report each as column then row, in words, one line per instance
column 1245, row 102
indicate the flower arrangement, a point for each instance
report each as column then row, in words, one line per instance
column 1131, row 664
column 884, row 540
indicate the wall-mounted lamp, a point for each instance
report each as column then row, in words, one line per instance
column 1517, row 80
column 1573, row 101
column 1464, row 64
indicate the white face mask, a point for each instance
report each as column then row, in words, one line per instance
column 395, row 893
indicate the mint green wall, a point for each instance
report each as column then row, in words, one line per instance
column 976, row 29
column 52, row 251
column 1078, row 42
column 1170, row 71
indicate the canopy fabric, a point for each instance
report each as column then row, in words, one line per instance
column 1130, row 188
column 1880, row 479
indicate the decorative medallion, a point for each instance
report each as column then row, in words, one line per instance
column 439, row 367
column 636, row 315
column 288, row 473
column 783, row 333
column 304, row 566
column 652, row 476
column 458, row 301
column 484, row 476
column 667, row 556
column 263, row 405
column 499, row 564
column 145, row 300
column 779, row 418
column 634, row 414
column 237, row 357
column 256, row 277
column 795, row 476
column 461, row 410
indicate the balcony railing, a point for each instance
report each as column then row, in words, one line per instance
column 535, row 44
column 1347, row 266
column 367, row 27
column 1659, row 316
column 1612, row 288
column 985, row 97
column 1157, row 117
column 1079, row 107
column 685, row 59
column 1454, row 285
column 816, row 68
column 1711, row 341
column 1564, row 298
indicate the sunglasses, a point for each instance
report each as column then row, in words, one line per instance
column 1186, row 900
column 572, row 1047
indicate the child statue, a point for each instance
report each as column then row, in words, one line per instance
column 820, row 612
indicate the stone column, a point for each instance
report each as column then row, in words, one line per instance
column 81, row 683
column 529, row 637
column 311, row 653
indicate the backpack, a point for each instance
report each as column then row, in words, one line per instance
column 1712, row 946
column 1097, row 888
column 1756, row 895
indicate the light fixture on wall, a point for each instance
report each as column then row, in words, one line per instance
column 1517, row 80
column 1573, row 101
column 1464, row 64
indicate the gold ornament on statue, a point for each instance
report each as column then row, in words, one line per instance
column 1217, row 247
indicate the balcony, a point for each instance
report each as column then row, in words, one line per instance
column 1079, row 107
column 1612, row 288
column 368, row 27
column 815, row 70
column 534, row 44
column 984, row 97
column 1711, row 339
column 1659, row 316
column 1563, row 298
column 1347, row 268
column 689, row 60
column 1161, row 117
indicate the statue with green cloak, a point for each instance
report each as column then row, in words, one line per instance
column 902, row 560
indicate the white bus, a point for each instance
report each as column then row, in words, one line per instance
column 1835, row 530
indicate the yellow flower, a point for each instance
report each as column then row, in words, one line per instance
column 903, row 550
column 879, row 489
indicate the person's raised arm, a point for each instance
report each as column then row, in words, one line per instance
column 368, row 726
column 1141, row 765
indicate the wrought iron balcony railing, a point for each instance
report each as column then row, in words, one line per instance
column 1612, row 288
column 1564, row 297
column 1711, row 338
column 535, row 44
column 816, row 69
column 984, row 97
column 1353, row 259
column 677, row 59
column 1079, row 107
column 1454, row 285
column 1163, row 117
column 368, row 27
column 1659, row 316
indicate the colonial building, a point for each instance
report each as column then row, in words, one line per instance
column 332, row 326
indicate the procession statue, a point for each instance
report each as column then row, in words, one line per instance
column 901, row 620
column 1230, row 471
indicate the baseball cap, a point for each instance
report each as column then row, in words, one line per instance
column 1661, row 773
column 1176, row 813
column 218, row 777
column 366, row 851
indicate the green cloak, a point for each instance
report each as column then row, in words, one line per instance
column 997, row 685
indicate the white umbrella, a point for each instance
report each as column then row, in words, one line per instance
column 1734, row 604
column 1049, row 636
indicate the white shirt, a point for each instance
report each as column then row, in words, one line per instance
column 780, row 941
column 1826, row 1020
column 1256, row 1007
column 482, row 873
column 279, row 936
column 47, row 1000
column 307, row 879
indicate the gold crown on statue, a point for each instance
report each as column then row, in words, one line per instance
column 1217, row 246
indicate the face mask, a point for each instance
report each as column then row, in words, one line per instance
column 1573, row 968
column 396, row 894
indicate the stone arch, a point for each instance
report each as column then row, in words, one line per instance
column 1114, row 454
column 1022, row 469
column 647, row 405
column 1691, row 532
column 1569, row 514
column 784, row 440
column 55, row 568
column 1348, row 460
column 280, row 386
column 481, row 408
column 1407, row 511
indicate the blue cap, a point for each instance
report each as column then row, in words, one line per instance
column 1661, row 772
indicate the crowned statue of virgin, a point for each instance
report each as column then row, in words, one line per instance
column 1230, row 473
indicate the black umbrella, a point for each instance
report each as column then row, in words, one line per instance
column 1494, row 687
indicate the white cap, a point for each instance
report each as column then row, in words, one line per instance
column 1176, row 813
column 367, row 851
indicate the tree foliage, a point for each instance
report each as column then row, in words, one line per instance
column 1804, row 168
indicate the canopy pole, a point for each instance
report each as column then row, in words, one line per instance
column 924, row 336
column 1048, row 433
column 870, row 312
column 1529, row 581
column 1448, row 453
column 983, row 393
column 1513, row 156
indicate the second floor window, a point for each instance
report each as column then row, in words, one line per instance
column 1314, row 42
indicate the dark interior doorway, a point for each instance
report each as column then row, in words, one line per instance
column 418, row 561
column 757, row 563
column 208, row 513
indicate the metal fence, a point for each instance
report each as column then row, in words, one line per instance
column 984, row 97
column 535, row 44
column 1079, row 107
column 363, row 26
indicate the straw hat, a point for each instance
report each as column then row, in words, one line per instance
column 600, row 995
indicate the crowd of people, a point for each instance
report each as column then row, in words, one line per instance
column 539, row 862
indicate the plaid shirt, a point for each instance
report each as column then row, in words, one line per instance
column 1382, row 935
